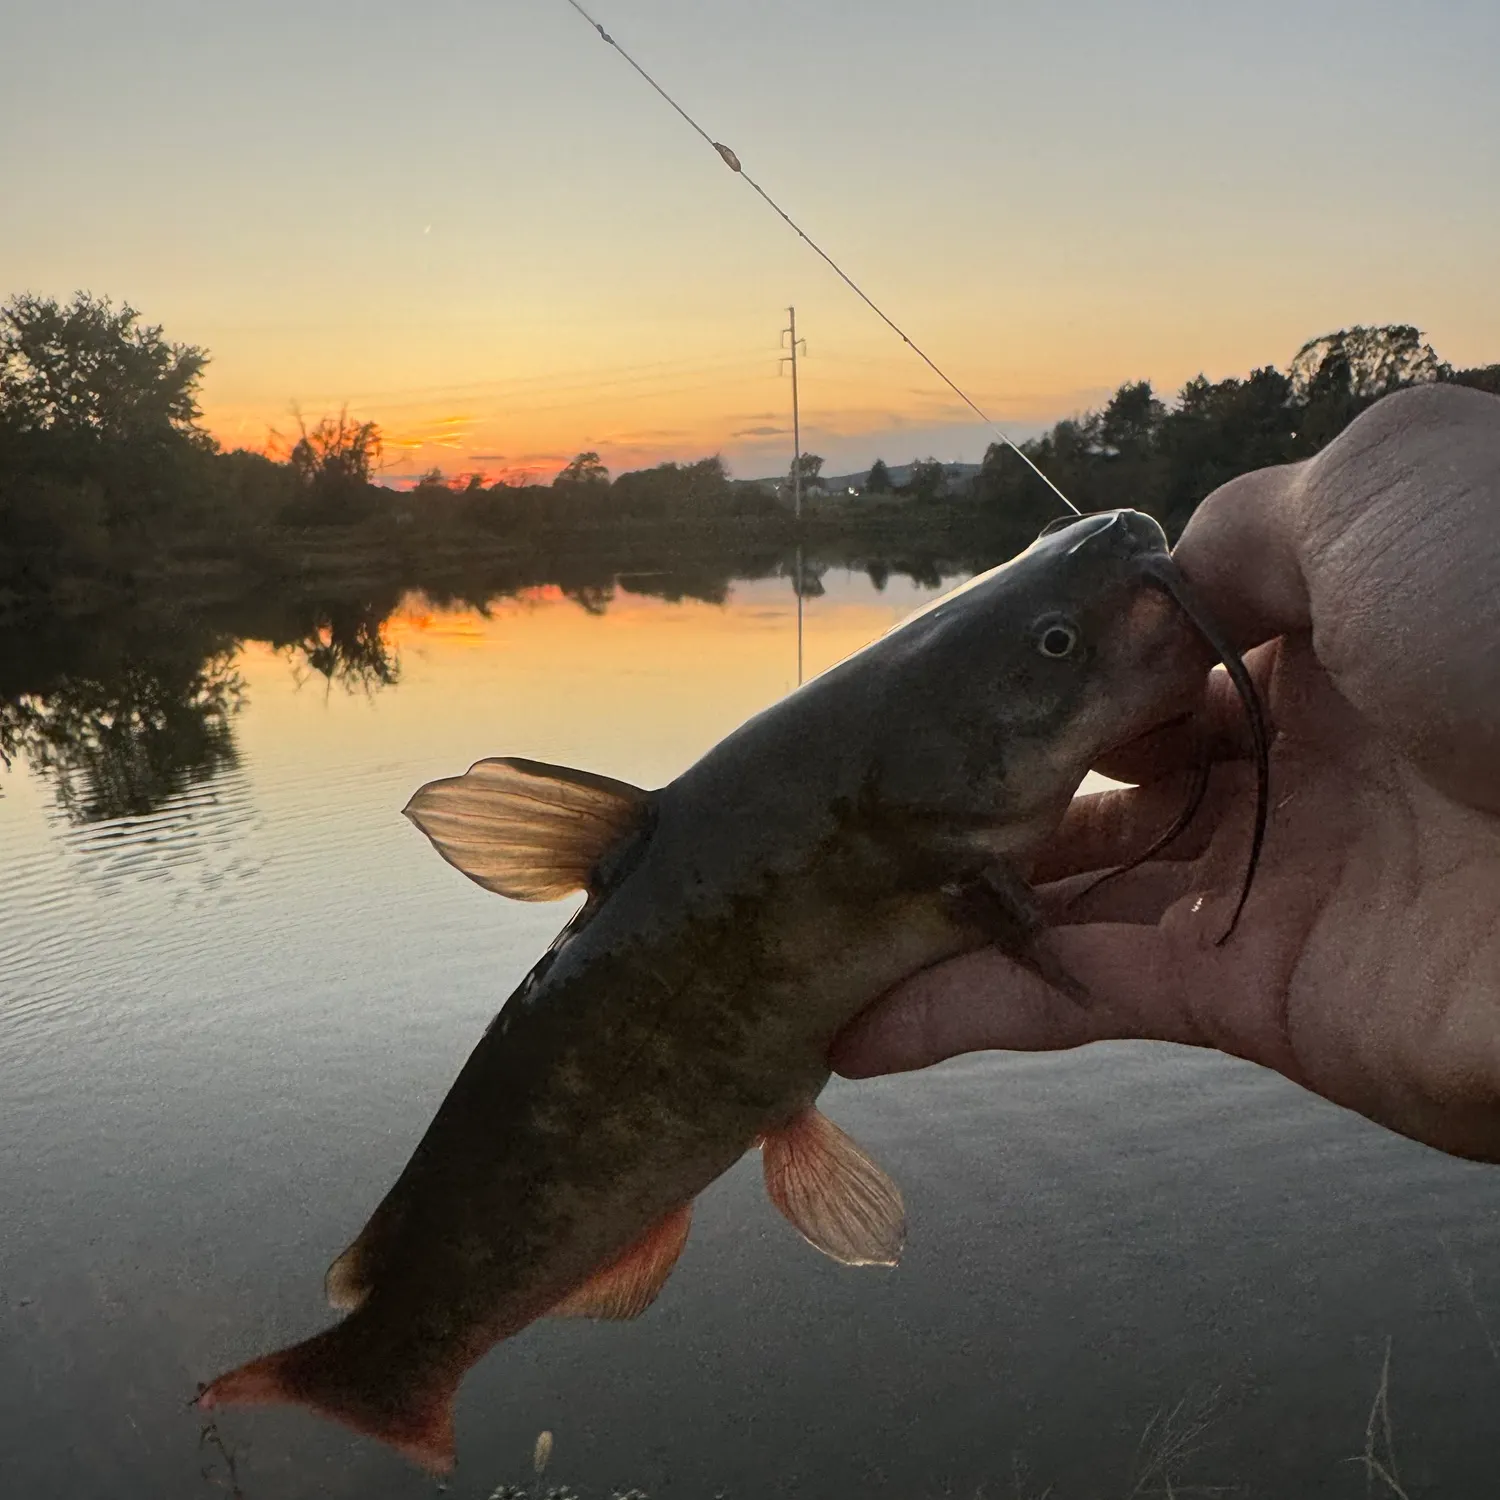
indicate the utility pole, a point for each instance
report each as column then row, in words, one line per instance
column 799, row 614
column 789, row 339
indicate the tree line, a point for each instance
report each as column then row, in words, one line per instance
column 1164, row 458
column 108, row 479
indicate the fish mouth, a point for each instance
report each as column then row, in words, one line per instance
column 1139, row 536
column 1157, row 726
column 1129, row 533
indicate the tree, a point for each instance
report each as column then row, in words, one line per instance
column 584, row 468
column 1129, row 424
column 927, row 480
column 1218, row 430
column 334, row 462
column 689, row 491
column 878, row 480
column 337, row 453
column 1481, row 378
column 1366, row 362
column 87, row 371
column 807, row 467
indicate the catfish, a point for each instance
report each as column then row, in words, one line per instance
column 878, row 820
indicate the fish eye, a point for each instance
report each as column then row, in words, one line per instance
column 1056, row 637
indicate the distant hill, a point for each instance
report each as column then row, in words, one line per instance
column 834, row 484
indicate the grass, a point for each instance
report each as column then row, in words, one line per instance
column 229, row 1481
column 1379, row 1457
column 1172, row 1438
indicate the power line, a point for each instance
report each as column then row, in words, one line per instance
column 732, row 161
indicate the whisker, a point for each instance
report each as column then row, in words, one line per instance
column 1166, row 575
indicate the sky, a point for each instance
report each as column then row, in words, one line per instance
column 473, row 224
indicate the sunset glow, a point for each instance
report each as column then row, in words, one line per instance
column 487, row 235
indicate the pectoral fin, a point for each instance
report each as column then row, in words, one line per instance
column 630, row 1284
column 1006, row 908
column 530, row 831
column 836, row 1198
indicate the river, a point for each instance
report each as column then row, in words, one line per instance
column 235, row 983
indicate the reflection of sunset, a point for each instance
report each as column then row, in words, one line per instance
column 539, row 676
column 413, row 626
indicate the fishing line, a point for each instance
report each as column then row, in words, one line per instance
column 732, row 161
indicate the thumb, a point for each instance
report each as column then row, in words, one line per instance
column 1240, row 550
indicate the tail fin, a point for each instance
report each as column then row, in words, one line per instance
column 415, row 1419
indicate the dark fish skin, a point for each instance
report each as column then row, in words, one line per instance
column 875, row 822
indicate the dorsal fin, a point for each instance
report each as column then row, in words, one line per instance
column 527, row 830
column 835, row 1197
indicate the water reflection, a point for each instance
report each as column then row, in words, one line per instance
column 120, row 746
column 346, row 644
column 195, row 828
column 123, row 716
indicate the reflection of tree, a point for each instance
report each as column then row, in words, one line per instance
column 121, row 746
column 807, row 577
column 345, row 643
column 592, row 599
column 928, row 572
column 124, row 711
column 709, row 572
column 676, row 584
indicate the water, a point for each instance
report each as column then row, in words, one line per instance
column 235, row 983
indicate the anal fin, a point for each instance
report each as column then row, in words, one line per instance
column 631, row 1282
column 835, row 1197
column 347, row 1281
column 345, row 1284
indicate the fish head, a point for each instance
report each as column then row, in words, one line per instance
column 999, row 696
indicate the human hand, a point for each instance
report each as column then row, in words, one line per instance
column 1366, row 965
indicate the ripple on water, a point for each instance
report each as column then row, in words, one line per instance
column 93, row 894
column 185, row 833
